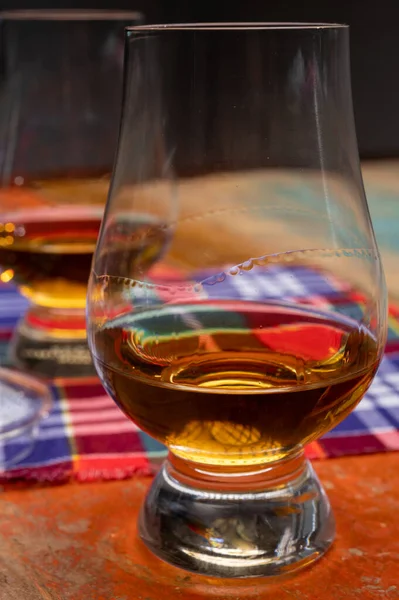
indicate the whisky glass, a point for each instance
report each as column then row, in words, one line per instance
column 236, row 198
column 61, row 80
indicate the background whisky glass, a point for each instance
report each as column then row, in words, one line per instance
column 236, row 187
column 60, row 97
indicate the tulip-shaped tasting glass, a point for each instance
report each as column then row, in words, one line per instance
column 61, row 75
column 236, row 230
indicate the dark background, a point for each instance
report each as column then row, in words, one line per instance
column 374, row 46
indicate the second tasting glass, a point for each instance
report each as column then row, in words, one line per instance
column 60, row 97
column 219, row 312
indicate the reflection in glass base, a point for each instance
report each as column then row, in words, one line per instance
column 23, row 403
column 252, row 533
column 52, row 343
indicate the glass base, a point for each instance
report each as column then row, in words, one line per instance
column 52, row 343
column 237, row 529
column 23, row 403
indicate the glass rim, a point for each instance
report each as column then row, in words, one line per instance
column 69, row 14
column 235, row 26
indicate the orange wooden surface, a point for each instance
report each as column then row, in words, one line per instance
column 78, row 542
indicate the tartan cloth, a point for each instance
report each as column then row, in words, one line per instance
column 88, row 438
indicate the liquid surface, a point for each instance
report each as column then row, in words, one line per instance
column 233, row 383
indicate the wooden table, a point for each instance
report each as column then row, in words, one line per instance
column 75, row 542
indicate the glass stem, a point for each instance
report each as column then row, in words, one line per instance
column 268, row 475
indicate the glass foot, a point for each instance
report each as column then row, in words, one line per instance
column 23, row 403
column 235, row 533
column 52, row 343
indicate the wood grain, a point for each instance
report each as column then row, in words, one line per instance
column 77, row 542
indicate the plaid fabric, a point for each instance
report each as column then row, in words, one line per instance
column 87, row 437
